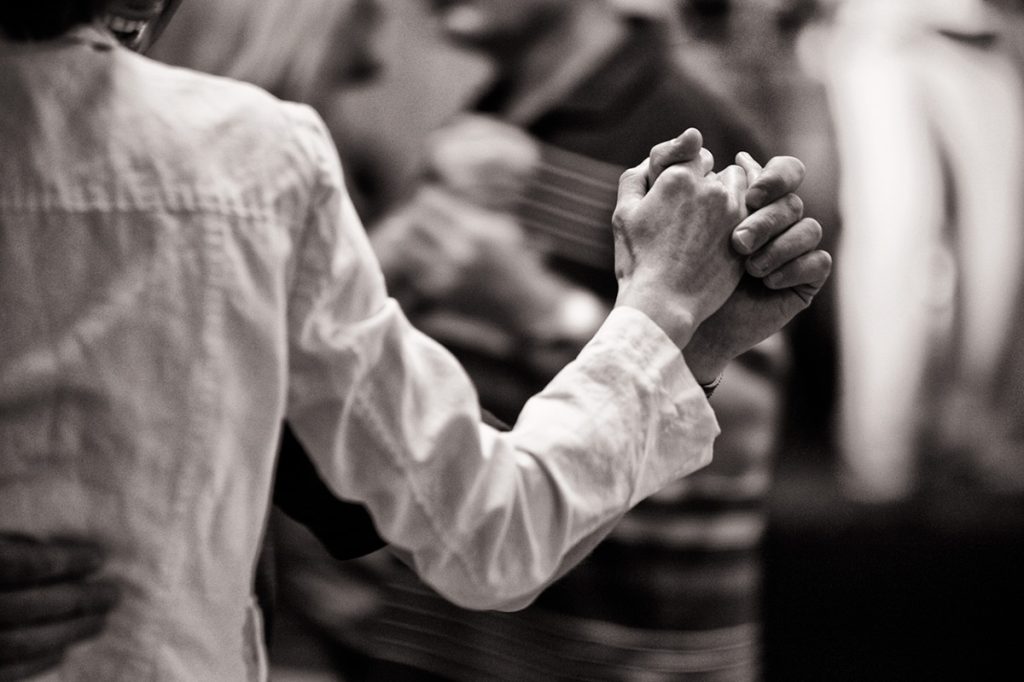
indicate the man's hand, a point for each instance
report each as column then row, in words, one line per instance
column 785, row 270
column 685, row 150
column 48, row 602
column 673, row 256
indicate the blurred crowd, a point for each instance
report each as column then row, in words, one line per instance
column 482, row 142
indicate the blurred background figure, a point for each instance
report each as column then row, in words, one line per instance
column 500, row 247
column 578, row 91
column 310, row 51
column 899, row 558
column 933, row 383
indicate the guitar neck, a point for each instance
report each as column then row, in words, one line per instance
column 567, row 208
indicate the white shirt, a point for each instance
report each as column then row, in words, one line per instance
column 180, row 270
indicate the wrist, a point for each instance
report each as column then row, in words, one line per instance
column 674, row 317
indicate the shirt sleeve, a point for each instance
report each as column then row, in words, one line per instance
column 390, row 420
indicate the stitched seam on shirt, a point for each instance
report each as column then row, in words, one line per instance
column 303, row 290
column 206, row 205
column 321, row 191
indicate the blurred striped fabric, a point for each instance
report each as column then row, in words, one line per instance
column 672, row 594
column 567, row 208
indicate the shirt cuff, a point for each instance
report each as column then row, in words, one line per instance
column 682, row 443
column 656, row 350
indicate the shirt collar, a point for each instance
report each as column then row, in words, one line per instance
column 95, row 35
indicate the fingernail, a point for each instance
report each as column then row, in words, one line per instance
column 758, row 267
column 773, row 279
column 755, row 198
column 746, row 239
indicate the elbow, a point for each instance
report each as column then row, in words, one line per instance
column 503, row 583
column 495, row 598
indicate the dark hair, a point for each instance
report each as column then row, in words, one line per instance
column 45, row 19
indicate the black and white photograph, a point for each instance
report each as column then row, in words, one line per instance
column 511, row 340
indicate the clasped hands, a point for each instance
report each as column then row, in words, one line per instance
column 720, row 261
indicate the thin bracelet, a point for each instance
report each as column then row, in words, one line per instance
column 709, row 389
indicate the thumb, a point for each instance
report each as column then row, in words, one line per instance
column 686, row 148
column 782, row 175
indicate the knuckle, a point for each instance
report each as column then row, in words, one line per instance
column 625, row 222
column 716, row 192
column 677, row 177
column 794, row 204
column 765, row 224
column 776, row 222
column 620, row 217
column 769, row 182
column 774, row 184
column 761, row 265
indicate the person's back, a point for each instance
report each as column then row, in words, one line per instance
column 143, row 250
